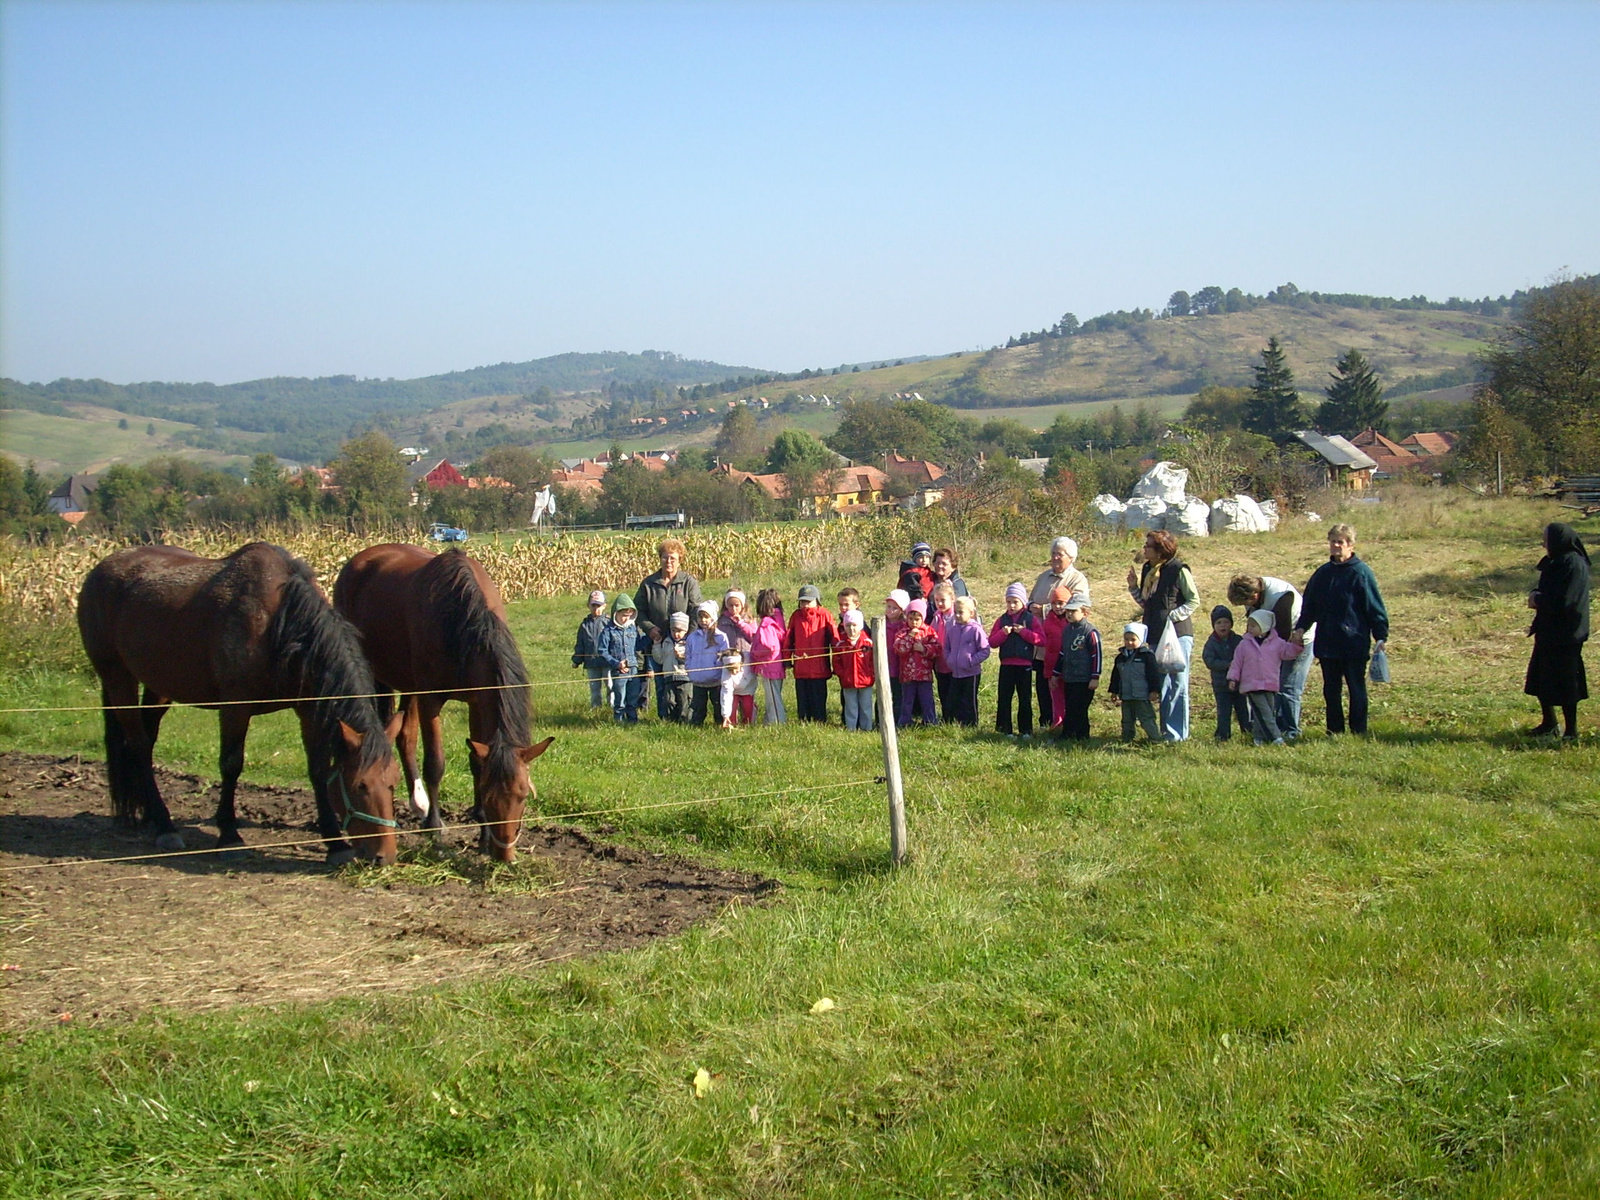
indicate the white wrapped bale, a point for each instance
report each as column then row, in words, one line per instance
column 1192, row 518
column 1165, row 482
column 1311, row 516
column 1145, row 512
column 1269, row 511
column 1107, row 510
column 1237, row 514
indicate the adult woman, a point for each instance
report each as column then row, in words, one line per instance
column 1063, row 553
column 1560, row 627
column 1164, row 588
column 1343, row 602
column 667, row 591
column 946, row 569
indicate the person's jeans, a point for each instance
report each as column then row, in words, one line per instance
column 673, row 695
column 1015, row 681
column 625, row 690
column 1175, row 697
column 1230, row 705
column 1139, row 712
column 811, row 699
column 916, row 697
column 1264, row 717
column 772, row 693
column 1351, row 673
column 706, row 698
column 1075, row 701
column 599, row 683
column 1292, row 677
column 857, row 708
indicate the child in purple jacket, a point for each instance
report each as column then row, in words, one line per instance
column 965, row 647
column 1255, row 672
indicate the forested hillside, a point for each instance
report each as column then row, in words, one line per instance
column 308, row 418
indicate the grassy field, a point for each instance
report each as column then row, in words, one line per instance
column 1348, row 968
column 91, row 441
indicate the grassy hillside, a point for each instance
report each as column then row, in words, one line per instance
column 1347, row 968
column 89, row 438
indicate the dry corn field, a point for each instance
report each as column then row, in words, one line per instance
column 44, row 580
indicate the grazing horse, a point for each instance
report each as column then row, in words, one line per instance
column 433, row 626
column 247, row 634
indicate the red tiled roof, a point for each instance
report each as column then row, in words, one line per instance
column 1430, row 444
column 1374, row 443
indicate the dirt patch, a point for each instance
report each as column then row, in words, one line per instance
column 103, row 941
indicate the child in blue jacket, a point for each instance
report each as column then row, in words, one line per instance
column 619, row 646
column 586, row 650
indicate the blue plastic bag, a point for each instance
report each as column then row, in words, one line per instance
column 1378, row 672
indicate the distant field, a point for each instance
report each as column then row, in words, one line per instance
column 92, row 440
column 1042, row 416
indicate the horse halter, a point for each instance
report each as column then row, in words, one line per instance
column 351, row 812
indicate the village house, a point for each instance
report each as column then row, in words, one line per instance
column 70, row 501
column 1343, row 463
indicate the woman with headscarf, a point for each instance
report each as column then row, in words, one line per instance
column 1560, row 627
column 1164, row 589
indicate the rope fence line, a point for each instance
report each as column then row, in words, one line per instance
column 356, row 837
column 286, row 701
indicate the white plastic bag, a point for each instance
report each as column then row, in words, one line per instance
column 1170, row 658
column 1165, row 482
column 1144, row 512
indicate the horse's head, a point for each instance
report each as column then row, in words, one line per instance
column 501, row 786
column 361, row 790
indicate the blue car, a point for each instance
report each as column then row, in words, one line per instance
column 440, row 532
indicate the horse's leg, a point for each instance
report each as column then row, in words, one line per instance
column 235, row 724
column 339, row 849
column 154, row 707
column 432, row 753
column 406, row 744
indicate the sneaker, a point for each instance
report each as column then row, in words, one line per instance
column 1280, row 742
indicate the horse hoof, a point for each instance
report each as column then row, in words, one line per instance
column 338, row 858
column 170, row 841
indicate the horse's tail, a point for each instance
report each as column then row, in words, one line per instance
column 127, row 793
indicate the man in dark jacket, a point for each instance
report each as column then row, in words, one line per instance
column 1343, row 602
column 669, row 590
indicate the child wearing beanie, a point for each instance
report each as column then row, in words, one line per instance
column 1136, row 683
column 586, row 650
column 918, row 648
column 1257, row 666
column 619, row 646
column 852, row 663
column 1015, row 634
column 671, row 657
column 1217, row 654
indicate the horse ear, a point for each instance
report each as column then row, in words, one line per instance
column 351, row 737
column 479, row 750
column 528, row 753
column 392, row 729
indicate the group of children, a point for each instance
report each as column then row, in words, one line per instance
column 713, row 661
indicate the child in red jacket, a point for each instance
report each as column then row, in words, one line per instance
column 918, row 648
column 853, row 664
column 812, row 634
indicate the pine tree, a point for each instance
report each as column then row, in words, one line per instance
column 1355, row 398
column 1274, row 408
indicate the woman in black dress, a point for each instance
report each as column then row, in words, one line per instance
column 1560, row 627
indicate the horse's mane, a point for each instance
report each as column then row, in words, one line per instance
column 472, row 631
column 318, row 653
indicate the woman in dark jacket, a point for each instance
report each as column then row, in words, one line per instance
column 1560, row 627
column 1342, row 600
column 1164, row 590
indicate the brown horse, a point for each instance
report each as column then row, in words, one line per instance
column 433, row 626
column 247, row 634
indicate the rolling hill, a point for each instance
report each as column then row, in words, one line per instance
column 1159, row 361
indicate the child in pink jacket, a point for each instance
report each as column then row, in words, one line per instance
column 769, row 651
column 1255, row 672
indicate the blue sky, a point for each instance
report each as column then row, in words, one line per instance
column 209, row 191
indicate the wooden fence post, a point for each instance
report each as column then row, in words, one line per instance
column 891, row 744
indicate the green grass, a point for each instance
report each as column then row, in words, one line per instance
column 1350, row 968
column 92, row 440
